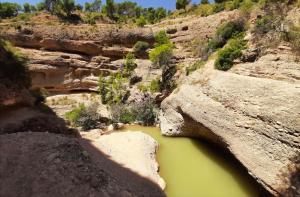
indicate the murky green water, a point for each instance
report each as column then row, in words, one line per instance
column 193, row 169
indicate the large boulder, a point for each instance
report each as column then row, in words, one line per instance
column 44, row 164
column 256, row 119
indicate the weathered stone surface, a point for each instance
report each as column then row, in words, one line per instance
column 133, row 150
column 44, row 164
column 256, row 119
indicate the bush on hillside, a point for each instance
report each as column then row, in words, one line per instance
column 224, row 33
column 9, row 9
column 161, row 55
column 130, row 64
column 141, row 21
column 141, row 46
column 293, row 37
column 161, row 38
column 231, row 52
column 143, row 112
column 85, row 117
column 198, row 64
column 113, row 89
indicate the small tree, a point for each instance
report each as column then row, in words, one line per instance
column 130, row 64
column 181, row 4
column 204, row 2
column 27, row 7
column 110, row 8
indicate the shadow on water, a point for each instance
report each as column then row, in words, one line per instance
column 230, row 164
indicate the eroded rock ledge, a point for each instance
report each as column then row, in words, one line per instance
column 256, row 119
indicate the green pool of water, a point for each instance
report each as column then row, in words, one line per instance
column 191, row 168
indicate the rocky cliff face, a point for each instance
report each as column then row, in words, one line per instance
column 252, row 111
column 64, row 58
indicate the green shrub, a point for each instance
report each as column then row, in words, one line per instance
column 218, row 7
column 145, row 112
column 122, row 113
column 112, row 89
column 153, row 87
column 198, row 64
column 9, row 9
column 224, row 32
column 293, row 37
column 92, row 17
column 141, row 46
column 161, row 38
column 74, row 115
column 264, row 24
column 130, row 64
column 85, row 117
column 231, row 52
column 142, row 111
column 141, row 21
column 161, row 55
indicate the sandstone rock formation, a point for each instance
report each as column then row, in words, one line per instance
column 44, row 164
column 133, row 150
column 253, row 114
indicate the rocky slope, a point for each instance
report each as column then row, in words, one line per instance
column 252, row 111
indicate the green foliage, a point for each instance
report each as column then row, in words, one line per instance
column 112, row 89
column 231, row 52
column 204, row 2
column 293, row 37
column 161, row 38
column 142, row 111
column 93, row 7
column 110, row 8
column 26, row 7
column 74, row 115
column 161, row 55
column 9, row 9
column 218, row 7
column 141, row 21
column 12, row 65
column 141, row 46
column 40, row 6
column 224, row 32
column 198, row 64
column 130, row 64
column 66, row 6
column 153, row 87
column 85, row 117
column 181, row 4
column 92, row 17
column 264, row 24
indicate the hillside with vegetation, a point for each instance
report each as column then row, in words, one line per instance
column 225, row 72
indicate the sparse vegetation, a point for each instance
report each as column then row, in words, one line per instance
column 143, row 112
column 141, row 47
column 231, row 51
column 161, row 55
column 112, row 89
column 198, row 64
column 130, row 64
column 85, row 117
